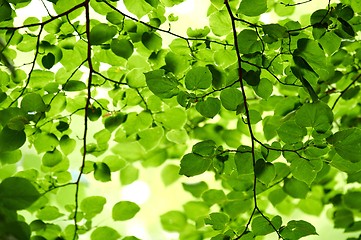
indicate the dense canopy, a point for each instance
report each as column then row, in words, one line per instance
column 262, row 100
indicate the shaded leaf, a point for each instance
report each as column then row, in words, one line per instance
column 17, row 193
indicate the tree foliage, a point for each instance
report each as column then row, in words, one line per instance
column 272, row 111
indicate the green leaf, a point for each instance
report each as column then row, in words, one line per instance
column 94, row 113
column 317, row 115
column 15, row 229
column 195, row 210
column 151, row 137
column 282, row 10
column 122, row 48
column 164, row 86
column 220, row 23
column 173, row 221
column 214, row 196
column 179, row 136
column 264, row 89
column 343, row 218
column 52, row 158
column 261, row 226
column 198, row 78
column 10, row 157
column 172, row 118
column 248, row 42
column 275, row 31
column 104, row 233
column 297, row 229
column 74, row 85
column 124, row 210
column 218, row 220
column 102, row 172
column 295, row 188
column 170, row 174
column 231, row 98
column 209, row 108
column 305, row 170
column 33, row 102
column 17, row 193
column 61, row 6
column 139, row 8
column 152, row 41
column 330, row 42
column 196, row 189
column 92, row 206
column 67, row 145
column 313, row 54
column 102, row 33
column 244, row 163
column 198, row 33
column 45, row 142
column 6, row 10
column 290, row 132
column 252, row 8
column 265, row 171
column 128, row 175
column 352, row 199
column 48, row 60
column 49, row 213
column 347, row 144
column 113, row 122
column 11, row 140
column 204, row 148
column 192, row 165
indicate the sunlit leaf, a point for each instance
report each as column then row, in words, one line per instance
column 104, row 232
column 124, row 210
column 122, row 47
column 92, row 206
column 253, row 7
column 101, row 33
column 102, row 172
column 317, row 115
column 198, row 78
column 173, row 221
column 196, row 189
column 139, row 8
column 160, row 84
column 192, row 164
